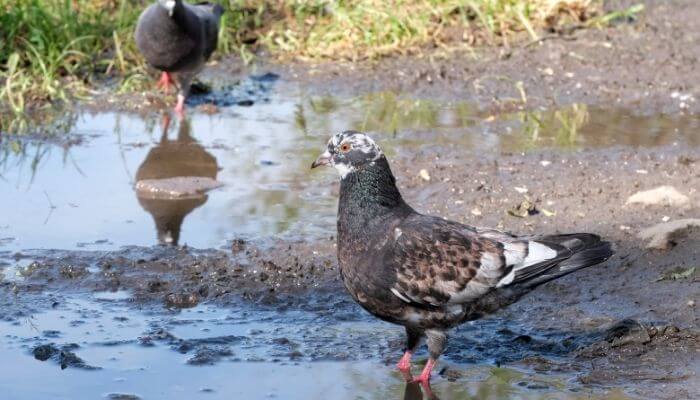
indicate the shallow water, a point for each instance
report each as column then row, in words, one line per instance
column 77, row 191
column 240, row 352
column 82, row 195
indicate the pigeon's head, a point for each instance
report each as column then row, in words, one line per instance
column 349, row 151
column 169, row 5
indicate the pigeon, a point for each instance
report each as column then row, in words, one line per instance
column 427, row 273
column 178, row 38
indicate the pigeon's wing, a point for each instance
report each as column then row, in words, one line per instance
column 210, row 16
column 439, row 262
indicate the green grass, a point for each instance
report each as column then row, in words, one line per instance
column 55, row 50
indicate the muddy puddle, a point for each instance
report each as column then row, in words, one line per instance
column 101, row 345
column 84, row 191
column 109, row 180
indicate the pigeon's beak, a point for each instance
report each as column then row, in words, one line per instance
column 323, row 159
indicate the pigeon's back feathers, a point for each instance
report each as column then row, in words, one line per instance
column 209, row 14
column 439, row 262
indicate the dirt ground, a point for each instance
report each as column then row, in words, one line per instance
column 630, row 327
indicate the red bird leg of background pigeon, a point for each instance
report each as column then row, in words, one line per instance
column 424, row 377
column 165, row 82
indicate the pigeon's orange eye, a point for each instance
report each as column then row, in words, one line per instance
column 345, row 147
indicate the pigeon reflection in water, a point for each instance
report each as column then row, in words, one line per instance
column 182, row 157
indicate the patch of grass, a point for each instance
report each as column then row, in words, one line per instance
column 55, row 49
column 52, row 49
column 367, row 29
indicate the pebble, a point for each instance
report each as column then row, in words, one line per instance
column 424, row 175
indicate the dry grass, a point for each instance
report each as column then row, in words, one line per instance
column 366, row 29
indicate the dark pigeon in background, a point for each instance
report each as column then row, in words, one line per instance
column 178, row 38
column 426, row 273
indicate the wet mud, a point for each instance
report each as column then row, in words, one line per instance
column 117, row 290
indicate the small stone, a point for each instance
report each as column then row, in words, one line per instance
column 424, row 175
column 476, row 211
column 662, row 195
column 660, row 235
column 182, row 300
column 691, row 303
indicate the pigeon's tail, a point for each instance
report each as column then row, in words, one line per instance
column 574, row 251
column 537, row 260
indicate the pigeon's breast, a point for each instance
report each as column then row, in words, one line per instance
column 165, row 45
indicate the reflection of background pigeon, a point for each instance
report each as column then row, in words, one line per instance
column 178, row 38
column 426, row 273
column 183, row 157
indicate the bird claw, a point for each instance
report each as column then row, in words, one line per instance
column 423, row 380
column 424, row 377
column 424, row 383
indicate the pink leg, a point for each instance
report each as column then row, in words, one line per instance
column 405, row 362
column 180, row 107
column 424, row 377
column 165, row 82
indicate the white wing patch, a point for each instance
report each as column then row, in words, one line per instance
column 537, row 252
column 514, row 253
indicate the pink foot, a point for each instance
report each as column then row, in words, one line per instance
column 165, row 82
column 405, row 362
column 180, row 107
column 424, row 378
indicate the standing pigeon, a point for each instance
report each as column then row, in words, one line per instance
column 426, row 273
column 178, row 38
